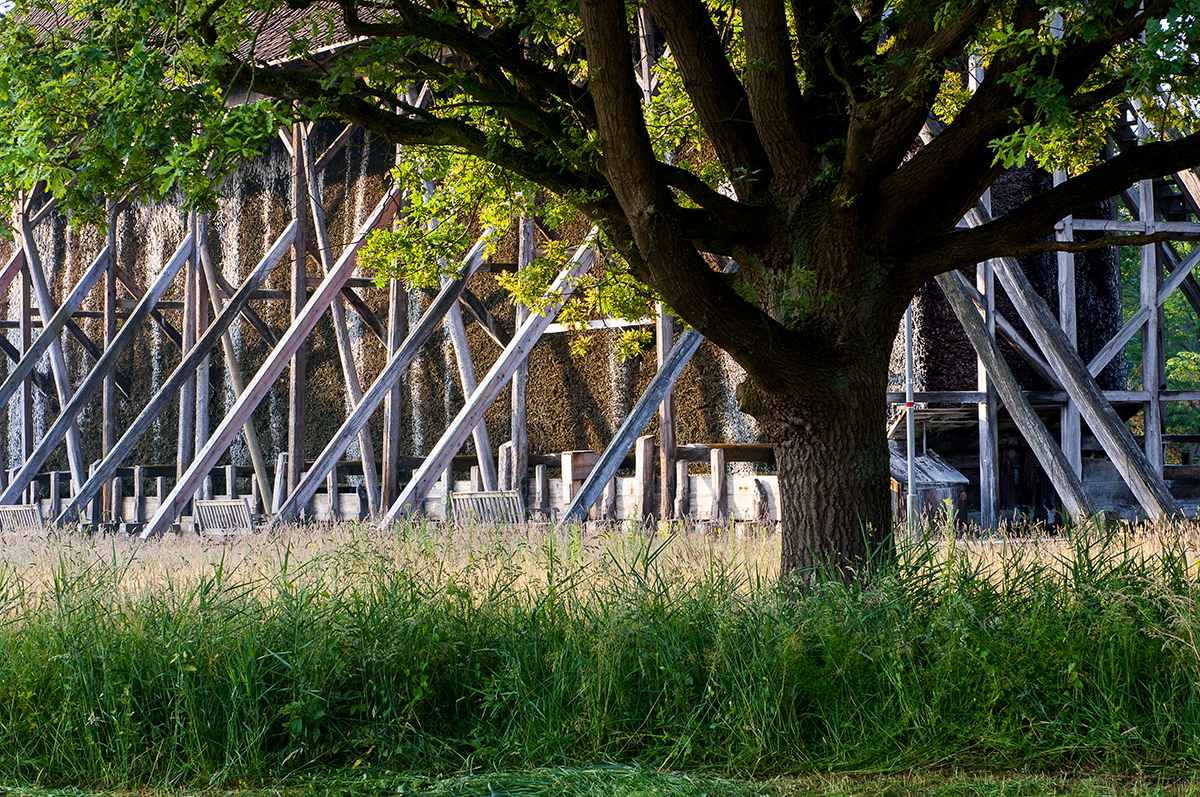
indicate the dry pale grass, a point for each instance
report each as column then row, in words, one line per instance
column 340, row 557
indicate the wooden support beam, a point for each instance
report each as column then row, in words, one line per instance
column 393, row 409
column 109, row 399
column 40, row 380
column 298, row 379
column 95, row 379
column 1152, row 337
column 524, row 339
column 58, row 363
column 203, row 379
column 719, row 510
column 52, row 328
column 233, row 368
column 333, row 149
column 365, row 313
column 1027, row 351
column 1065, row 482
column 23, row 386
column 139, row 495
column 624, row 439
column 290, row 508
column 1070, row 431
column 1136, row 321
column 664, row 340
column 490, row 325
column 345, row 350
column 986, row 410
column 171, row 333
column 292, row 340
column 12, row 268
column 159, row 401
column 466, row 375
column 683, row 491
column 261, row 327
column 519, row 426
column 1132, row 464
column 185, row 444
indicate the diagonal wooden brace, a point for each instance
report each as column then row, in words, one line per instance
column 490, row 386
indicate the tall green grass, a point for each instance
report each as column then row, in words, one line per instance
column 177, row 664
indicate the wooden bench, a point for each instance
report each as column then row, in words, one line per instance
column 223, row 516
column 22, row 518
column 501, row 506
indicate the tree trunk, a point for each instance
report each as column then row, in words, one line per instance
column 830, row 441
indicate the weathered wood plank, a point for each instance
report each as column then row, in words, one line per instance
column 1136, row 321
column 519, row 427
column 1137, row 471
column 720, row 502
column 342, row 333
column 413, row 495
column 298, row 378
column 664, row 340
column 396, row 365
column 466, row 375
column 187, row 396
column 160, row 400
column 58, row 363
column 96, row 377
column 393, row 405
column 638, row 417
column 277, row 360
column 233, row 368
column 52, row 328
column 986, row 410
column 137, row 293
column 1065, row 482
column 1152, row 338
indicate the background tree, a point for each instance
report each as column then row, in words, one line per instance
column 784, row 135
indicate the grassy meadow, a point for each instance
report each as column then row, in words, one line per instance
column 432, row 656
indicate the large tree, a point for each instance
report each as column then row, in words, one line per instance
column 783, row 135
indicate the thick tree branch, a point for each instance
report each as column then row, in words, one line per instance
column 716, row 93
column 774, row 96
column 1018, row 230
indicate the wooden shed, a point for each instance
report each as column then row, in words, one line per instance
column 939, row 486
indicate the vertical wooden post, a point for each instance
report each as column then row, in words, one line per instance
column 139, row 494
column 504, row 473
column 331, row 487
column 160, row 488
column 477, row 483
column 55, row 493
column 109, row 391
column 665, row 334
column 281, row 488
column 187, row 397
column 58, row 363
column 397, row 332
column 643, row 484
column 297, row 382
column 568, row 477
column 526, row 251
column 1071, row 429
column 256, row 495
column 117, row 511
column 25, row 323
column 466, row 374
column 231, row 482
column 200, row 308
column 720, row 499
column 354, row 393
column 231, row 365
column 683, row 491
column 608, row 509
column 541, row 475
column 1152, row 367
